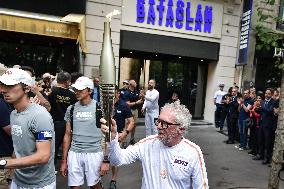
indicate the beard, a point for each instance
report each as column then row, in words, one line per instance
column 167, row 139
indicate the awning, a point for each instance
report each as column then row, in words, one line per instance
column 71, row 26
column 80, row 21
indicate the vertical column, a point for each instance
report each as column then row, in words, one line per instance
column 200, row 91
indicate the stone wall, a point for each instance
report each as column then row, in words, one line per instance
column 96, row 10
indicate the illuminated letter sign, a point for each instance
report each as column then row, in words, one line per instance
column 179, row 15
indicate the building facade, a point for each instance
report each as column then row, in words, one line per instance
column 204, row 53
column 260, row 70
column 188, row 46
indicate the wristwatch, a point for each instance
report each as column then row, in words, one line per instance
column 3, row 163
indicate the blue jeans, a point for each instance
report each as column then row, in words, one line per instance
column 243, row 133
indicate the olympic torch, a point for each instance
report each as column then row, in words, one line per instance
column 107, row 74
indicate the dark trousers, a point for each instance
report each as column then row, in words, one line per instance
column 266, row 142
column 218, row 115
column 253, row 139
column 59, row 128
column 223, row 117
column 232, row 128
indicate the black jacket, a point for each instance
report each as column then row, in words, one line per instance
column 233, row 108
column 267, row 118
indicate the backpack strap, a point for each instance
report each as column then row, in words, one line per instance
column 99, row 115
column 71, row 116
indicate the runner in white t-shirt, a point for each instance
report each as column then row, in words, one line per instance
column 168, row 159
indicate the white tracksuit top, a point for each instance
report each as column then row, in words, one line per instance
column 151, row 101
column 179, row 167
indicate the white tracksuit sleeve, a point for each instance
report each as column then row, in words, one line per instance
column 118, row 156
column 154, row 96
column 199, row 174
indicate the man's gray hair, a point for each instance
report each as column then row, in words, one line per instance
column 181, row 113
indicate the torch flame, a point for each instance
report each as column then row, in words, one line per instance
column 111, row 14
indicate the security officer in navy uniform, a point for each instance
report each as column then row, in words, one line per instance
column 134, row 99
column 124, row 90
column 232, row 117
column 125, row 124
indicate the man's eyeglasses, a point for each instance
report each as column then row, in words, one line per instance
column 164, row 124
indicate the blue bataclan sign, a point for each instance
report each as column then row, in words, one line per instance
column 179, row 17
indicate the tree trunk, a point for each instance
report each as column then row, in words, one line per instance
column 277, row 157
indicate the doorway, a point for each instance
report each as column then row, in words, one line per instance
column 185, row 77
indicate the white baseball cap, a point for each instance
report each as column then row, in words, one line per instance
column 82, row 83
column 125, row 81
column 46, row 75
column 14, row 76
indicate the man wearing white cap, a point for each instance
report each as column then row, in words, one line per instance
column 32, row 134
column 124, row 90
column 219, row 106
column 84, row 156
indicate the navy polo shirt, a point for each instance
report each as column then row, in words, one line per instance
column 132, row 96
column 124, row 94
column 6, row 144
column 121, row 112
column 243, row 114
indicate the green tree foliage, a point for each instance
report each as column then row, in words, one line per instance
column 268, row 38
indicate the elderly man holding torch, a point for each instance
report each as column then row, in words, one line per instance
column 168, row 159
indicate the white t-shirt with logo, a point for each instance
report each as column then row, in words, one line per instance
column 218, row 96
column 181, row 166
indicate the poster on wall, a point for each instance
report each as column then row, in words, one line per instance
column 244, row 33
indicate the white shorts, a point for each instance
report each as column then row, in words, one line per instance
column 80, row 164
column 50, row 186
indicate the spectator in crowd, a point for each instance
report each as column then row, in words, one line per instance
column 32, row 134
column 83, row 156
column 219, row 105
column 245, row 104
column 266, row 128
column 252, row 93
column 125, row 123
column 47, row 79
column 225, row 99
column 254, row 129
column 232, row 117
column 60, row 98
column 74, row 77
column 134, row 100
column 36, row 95
column 151, row 107
column 124, row 90
column 96, row 92
column 174, row 97
column 276, row 109
column 168, row 151
column 6, row 145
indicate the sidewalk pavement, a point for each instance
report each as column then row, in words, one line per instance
column 227, row 167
